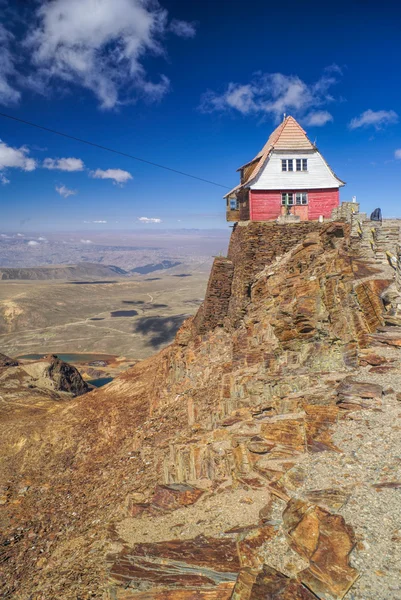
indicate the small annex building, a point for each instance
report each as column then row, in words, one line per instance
column 288, row 176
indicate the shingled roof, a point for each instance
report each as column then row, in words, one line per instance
column 289, row 135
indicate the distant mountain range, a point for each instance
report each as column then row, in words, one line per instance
column 84, row 270
column 79, row 271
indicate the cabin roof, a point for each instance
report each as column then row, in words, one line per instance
column 289, row 135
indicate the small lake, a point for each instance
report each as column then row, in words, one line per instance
column 90, row 282
column 71, row 358
column 124, row 313
column 101, row 381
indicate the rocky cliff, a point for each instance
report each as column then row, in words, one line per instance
column 225, row 466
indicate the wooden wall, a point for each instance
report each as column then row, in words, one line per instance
column 265, row 205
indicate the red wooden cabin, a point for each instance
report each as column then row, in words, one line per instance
column 288, row 176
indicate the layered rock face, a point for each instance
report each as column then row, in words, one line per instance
column 181, row 479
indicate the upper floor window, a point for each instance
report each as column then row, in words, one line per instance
column 287, row 164
column 302, row 164
column 233, row 204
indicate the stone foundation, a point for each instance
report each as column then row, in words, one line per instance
column 215, row 306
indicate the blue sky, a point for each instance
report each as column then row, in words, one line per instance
column 197, row 86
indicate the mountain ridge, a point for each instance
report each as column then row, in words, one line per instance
column 219, row 424
column 68, row 272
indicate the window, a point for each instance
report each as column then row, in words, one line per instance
column 287, row 199
column 233, row 204
column 302, row 164
column 301, row 198
column 287, row 164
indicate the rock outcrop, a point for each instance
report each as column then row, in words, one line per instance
column 184, row 478
column 6, row 361
column 20, row 380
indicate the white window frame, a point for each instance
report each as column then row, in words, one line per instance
column 287, row 165
column 302, row 163
column 301, row 198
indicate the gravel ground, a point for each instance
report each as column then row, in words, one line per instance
column 370, row 443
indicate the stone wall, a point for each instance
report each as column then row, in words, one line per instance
column 346, row 210
column 377, row 240
column 215, row 306
column 253, row 245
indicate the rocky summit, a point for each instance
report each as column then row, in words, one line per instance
column 256, row 457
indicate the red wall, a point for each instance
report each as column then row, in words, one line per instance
column 265, row 205
column 322, row 202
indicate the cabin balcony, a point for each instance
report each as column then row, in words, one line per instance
column 232, row 209
column 232, row 215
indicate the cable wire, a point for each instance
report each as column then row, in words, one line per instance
column 82, row 141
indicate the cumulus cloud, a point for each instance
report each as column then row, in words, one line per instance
column 3, row 179
column 33, row 243
column 274, row 94
column 95, row 221
column 16, row 158
column 182, row 28
column 8, row 94
column 318, row 118
column 64, row 191
column 86, row 242
column 64, row 164
column 117, row 175
column 42, row 239
column 377, row 119
column 397, row 154
column 149, row 220
column 101, row 46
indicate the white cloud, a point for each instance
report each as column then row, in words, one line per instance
column 118, row 175
column 95, row 221
column 149, row 220
column 3, row 179
column 86, row 242
column 33, row 243
column 64, row 191
column 42, row 239
column 20, row 235
column 64, row 164
column 100, row 45
column 8, row 94
column 274, row 94
column 182, row 28
column 377, row 119
column 318, row 118
column 397, row 153
column 15, row 158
